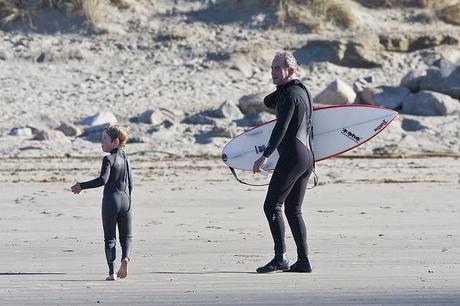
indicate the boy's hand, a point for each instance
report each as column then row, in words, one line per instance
column 76, row 189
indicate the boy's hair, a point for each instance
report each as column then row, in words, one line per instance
column 114, row 132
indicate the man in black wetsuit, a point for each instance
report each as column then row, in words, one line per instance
column 291, row 137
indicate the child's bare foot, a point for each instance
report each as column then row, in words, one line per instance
column 123, row 271
column 111, row 277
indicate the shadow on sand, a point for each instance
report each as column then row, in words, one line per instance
column 201, row 272
column 30, row 273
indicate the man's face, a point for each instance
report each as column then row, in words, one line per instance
column 280, row 74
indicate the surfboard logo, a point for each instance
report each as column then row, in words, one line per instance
column 351, row 135
column 381, row 125
column 260, row 149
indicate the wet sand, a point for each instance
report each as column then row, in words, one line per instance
column 381, row 231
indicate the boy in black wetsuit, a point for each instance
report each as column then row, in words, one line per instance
column 291, row 137
column 116, row 176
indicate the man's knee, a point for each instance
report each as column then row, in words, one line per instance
column 292, row 211
column 272, row 207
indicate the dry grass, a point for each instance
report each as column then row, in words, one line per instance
column 91, row 10
column 11, row 10
column 313, row 12
column 450, row 14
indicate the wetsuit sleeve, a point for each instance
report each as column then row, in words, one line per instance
column 103, row 177
column 285, row 110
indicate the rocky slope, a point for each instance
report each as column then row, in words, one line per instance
column 165, row 68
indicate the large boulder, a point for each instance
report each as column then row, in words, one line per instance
column 338, row 92
column 412, row 79
column 151, row 116
column 428, row 103
column 255, row 118
column 254, row 103
column 409, row 42
column 229, row 110
column 42, row 122
column 69, row 129
column 102, row 118
column 360, row 52
column 49, row 135
column 387, row 96
column 21, row 132
column 444, row 77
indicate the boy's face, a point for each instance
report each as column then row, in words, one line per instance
column 106, row 143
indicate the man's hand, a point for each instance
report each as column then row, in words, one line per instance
column 259, row 164
column 76, row 189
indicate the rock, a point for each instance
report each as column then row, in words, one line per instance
column 387, row 150
column 386, row 96
column 137, row 139
column 228, row 110
column 338, row 92
column 395, row 42
column 151, row 117
column 200, row 119
column 255, row 118
column 95, row 129
column 227, row 131
column 41, row 58
column 412, row 79
column 49, row 135
column 99, row 119
column 412, row 125
column 409, row 42
column 42, row 122
column 4, row 56
column 362, row 83
column 444, row 77
column 254, row 103
column 360, row 52
column 69, row 129
column 21, row 132
column 93, row 136
column 428, row 103
column 167, row 124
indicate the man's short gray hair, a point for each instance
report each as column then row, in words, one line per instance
column 289, row 59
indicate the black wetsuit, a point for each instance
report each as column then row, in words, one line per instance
column 291, row 137
column 116, row 176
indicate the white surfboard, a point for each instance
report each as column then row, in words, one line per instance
column 336, row 129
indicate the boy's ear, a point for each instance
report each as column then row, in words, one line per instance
column 116, row 142
column 291, row 71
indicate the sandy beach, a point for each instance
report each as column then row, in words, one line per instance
column 381, row 232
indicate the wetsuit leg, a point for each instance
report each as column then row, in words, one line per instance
column 281, row 183
column 109, row 222
column 125, row 229
column 293, row 211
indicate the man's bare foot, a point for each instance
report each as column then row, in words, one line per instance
column 111, row 277
column 123, row 271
